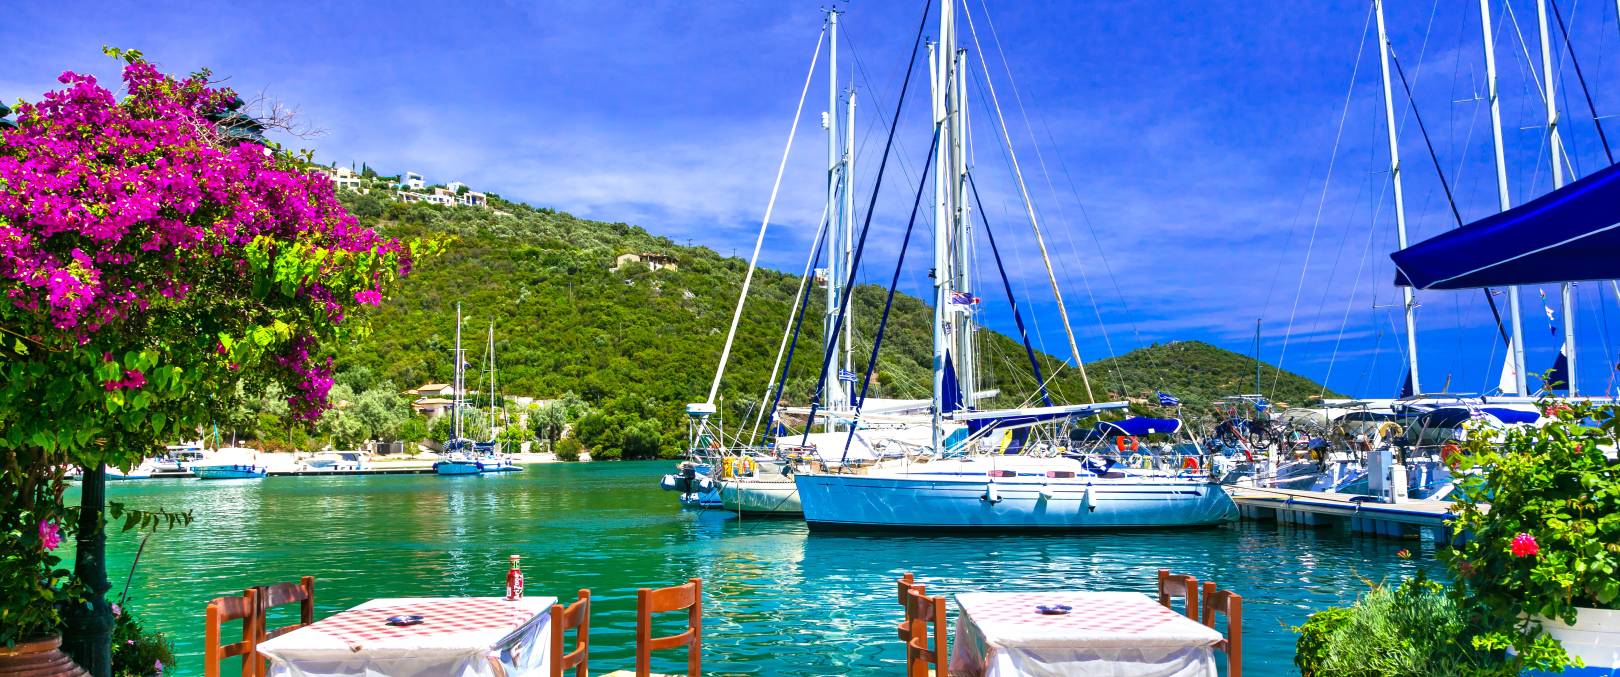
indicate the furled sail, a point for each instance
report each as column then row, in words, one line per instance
column 1570, row 234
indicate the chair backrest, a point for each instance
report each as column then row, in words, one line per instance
column 1231, row 604
column 649, row 602
column 224, row 610
column 563, row 619
column 908, row 625
column 1179, row 585
column 282, row 594
column 923, row 612
column 904, row 584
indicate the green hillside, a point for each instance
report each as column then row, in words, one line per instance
column 637, row 344
column 1199, row 373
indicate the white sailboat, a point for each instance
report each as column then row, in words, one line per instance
column 459, row 456
column 959, row 477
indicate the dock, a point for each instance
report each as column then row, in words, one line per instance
column 413, row 470
column 1357, row 514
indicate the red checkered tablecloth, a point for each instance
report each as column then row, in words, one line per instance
column 463, row 635
column 1124, row 633
column 368, row 623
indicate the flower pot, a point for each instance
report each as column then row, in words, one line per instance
column 1594, row 638
column 38, row 658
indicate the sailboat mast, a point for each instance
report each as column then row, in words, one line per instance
column 849, row 228
column 942, row 285
column 961, row 229
column 1555, row 144
column 839, row 244
column 1504, row 199
column 491, row 351
column 455, row 383
column 1400, row 204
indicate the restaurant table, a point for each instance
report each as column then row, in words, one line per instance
column 1112, row 634
column 458, row 636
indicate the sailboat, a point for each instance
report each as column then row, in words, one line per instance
column 460, row 458
column 993, row 470
column 490, row 456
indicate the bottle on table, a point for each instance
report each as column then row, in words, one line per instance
column 514, row 581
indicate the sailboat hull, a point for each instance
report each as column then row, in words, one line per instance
column 764, row 498
column 899, row 502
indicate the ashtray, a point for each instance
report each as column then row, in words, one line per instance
column 404, row 620
column 1053, row 609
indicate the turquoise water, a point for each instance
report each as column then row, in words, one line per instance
column 777, row 599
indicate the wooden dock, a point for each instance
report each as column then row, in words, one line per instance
column 1366, row 516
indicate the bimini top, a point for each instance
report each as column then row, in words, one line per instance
column 981, row 420
column 1567, row 235
column 1138, row 426
column 1454, row 417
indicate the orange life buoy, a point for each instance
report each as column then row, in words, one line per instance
column 1189, row 462
column 1126, row 443
column 1448, row 450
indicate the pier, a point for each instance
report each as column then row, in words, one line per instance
column 1407, row 519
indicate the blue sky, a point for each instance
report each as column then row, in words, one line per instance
column 1178, row 152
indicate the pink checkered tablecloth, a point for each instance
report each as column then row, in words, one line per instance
column 457, row 636
column 1107, row 633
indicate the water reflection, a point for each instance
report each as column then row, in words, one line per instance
column 778, row 600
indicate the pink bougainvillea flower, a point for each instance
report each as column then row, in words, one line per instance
column 133, row 378
column 370, row 297
column 49, row 536
column 158, row 665
column 117, row 610
column 1524, row 545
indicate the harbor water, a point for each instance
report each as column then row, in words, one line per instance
column 778, row 600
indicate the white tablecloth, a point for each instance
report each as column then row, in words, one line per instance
column 459, row 636
column 1108, row 634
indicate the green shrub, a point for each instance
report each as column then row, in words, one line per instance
column 1315, row 636
column 568, row 449
column 1412, row 630
column 137, row 653
column 1543, row 519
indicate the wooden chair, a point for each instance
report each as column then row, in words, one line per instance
column 282, row 594
column 1178, row 585
column 224, row 610
column 574, row 616
column 923, row 611
column 663, row 600
column 906, row 585
column 1231, row 604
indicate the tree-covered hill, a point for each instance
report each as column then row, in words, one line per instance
column 1199, row 373
column 637, row 344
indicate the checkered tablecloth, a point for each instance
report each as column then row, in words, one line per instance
column 1120, row 634
column 469, row 636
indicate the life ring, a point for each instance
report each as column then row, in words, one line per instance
column 726, row 467
column 1138, row 461
column 1388, row 430
column 1190, row 463
column 1448, row 450
column 1127, row 443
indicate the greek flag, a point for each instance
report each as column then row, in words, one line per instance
column 847, row 376
column 1168, row 400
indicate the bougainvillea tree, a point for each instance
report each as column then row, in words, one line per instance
column 150, row 263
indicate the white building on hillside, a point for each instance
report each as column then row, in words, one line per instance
column 412, row 180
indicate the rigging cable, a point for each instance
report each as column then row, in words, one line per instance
column 1444, row 185
column 1018, row 318
column 759, row 242
column 888, row 304
column 1582, row 78
column 866, row 226
column 804, row 282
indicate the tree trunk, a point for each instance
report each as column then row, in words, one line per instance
column 88, row 635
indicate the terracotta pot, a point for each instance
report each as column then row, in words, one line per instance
column 38, row 658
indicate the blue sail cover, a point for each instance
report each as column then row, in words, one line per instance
column 1567, row 235
column 1139, row 426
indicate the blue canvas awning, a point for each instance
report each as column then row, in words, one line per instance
column 1138, row 426
column 1570, row 234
